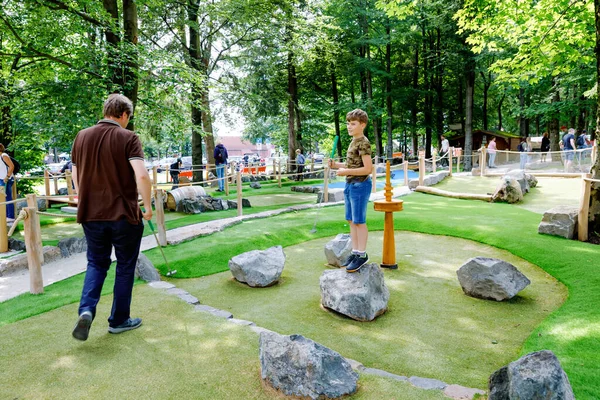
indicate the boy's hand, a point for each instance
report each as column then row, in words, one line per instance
column 331, row 163
column 342, row 172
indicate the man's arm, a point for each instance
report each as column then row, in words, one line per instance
column 74, row 177
column 573, row 144
column 10, row 166
column 144, row 186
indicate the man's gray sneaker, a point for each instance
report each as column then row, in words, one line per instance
column 82, row 327
column 128, row 325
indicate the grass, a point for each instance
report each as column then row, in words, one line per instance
column 428, row 320
column 177, row 353
column 572, row 332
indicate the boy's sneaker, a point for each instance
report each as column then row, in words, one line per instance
column 357, row 263
column 350, row 259
column 82, row 328
column 128, row 325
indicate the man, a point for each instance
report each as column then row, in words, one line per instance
column 444, row 152
column 221, row 157
column 300, row 161
column 108, row 171
column 568, row 142
column 174, row 170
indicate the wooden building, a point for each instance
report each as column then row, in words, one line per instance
column 504, row 140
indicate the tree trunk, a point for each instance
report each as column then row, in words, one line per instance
column 595, row 193
column 468, row 164
column 522, row 119
column 500, row 111
column 115, row 70
column 196, row 92
column 487, row 81
column 553, row 135
column 292, row 139
column 413, row 103
column 439, row 89
column 388, row 90
column 130, row 74
column 336, row 110
column 428, row 112
column 207, row 130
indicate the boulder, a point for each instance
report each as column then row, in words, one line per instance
column 41, row 205
column 333, row 196
column 255, row 185
column 190, row 206
column 520, row 176
column 428, row 180
column 70, row 246
column 490, row 278
column 302, row 368
column 536, row 376
column 362, row 295
column 509, row 191
column 16, row 244
column 560, row 221
column 338, row 250
column 144, row 269
column 63, row 191
column 258, row 268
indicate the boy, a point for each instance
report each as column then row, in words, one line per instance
column 357, row 171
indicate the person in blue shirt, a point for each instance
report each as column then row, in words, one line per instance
column 569, row 148
column 221, row 156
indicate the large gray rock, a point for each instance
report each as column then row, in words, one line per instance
column 333, row 196
column 509, row 191
column 536, row 376
column 41, row 204
column 70, row 246
column 255, row 185
column 362, row 295
column 490, row 278
column 258, row 268
column 338, row 250
column 190, row 206
column 560, row 221
column 521, row 177
column 428, row 180
column 16, row 244
column 144, row 269
column 300, row 367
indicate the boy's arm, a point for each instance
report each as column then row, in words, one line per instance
column 366, row 169
column 336, row 165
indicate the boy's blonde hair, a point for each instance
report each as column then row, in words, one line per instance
column 357, row 115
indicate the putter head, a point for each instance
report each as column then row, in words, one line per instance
column 171, row 273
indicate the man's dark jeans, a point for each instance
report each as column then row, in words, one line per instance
column 175, row 177
column 101, row 236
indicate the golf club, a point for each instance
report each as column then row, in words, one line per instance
column 314, row 228
column 170, row 271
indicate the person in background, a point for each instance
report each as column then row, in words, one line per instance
column 109, row 171
column 545, row 147
column 221, row 157
column 175, row 170
column 523, row 149
column 7, row 179
column 569, row 147
column 300, row 161
column 444, row 152
column 492, row 152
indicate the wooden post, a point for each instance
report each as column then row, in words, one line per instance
column 508, row 155
column 3, row 227
column 450, row 158
column 374, row 178
column 226, row 182
column 14, row 190
column 160, row 216
column 326, row 183
column 155, row 176
column 274, row 169
column 483, row 158
column 458, row 162
column 32, row 225
column 167, row 176
column 69, row 184
column 421, row 168
column 312, row 164
column 584, row 209
column 32, row 203
column 594, row 153
column 239, row 193
column 405, row 172
column 55, row 179
column 279, row 174
column 433, row 164
column 47, row 186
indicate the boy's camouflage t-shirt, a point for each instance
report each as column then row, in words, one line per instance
column 358, row 148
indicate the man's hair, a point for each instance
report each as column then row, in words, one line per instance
column 357, row 115
column 116, row 105
column 2, row 148
column 298, row 151
column 572, row 130
column 563, row 127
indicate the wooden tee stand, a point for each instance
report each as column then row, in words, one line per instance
column 389, row 206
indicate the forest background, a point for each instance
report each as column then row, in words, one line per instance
column 292, row 69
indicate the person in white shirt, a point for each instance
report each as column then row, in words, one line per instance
column 7, row 179
column 444, row 151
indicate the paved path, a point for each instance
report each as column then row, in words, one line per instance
column 16, row 283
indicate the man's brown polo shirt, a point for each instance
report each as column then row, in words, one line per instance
column 107, row 186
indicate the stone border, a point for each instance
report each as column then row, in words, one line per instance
column 457, row 392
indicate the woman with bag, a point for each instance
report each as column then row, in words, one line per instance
column 7, row 180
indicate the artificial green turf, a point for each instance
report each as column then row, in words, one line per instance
column 429, row 319
column 176, row 354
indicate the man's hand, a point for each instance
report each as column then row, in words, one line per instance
column 147, row 213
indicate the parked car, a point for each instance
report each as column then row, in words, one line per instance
column 318, row 157
column 163, row 163
column 186, row 163
column 55, row 168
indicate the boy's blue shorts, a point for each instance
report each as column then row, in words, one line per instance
column 356, row 198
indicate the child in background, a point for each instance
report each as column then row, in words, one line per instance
column 357, row 171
